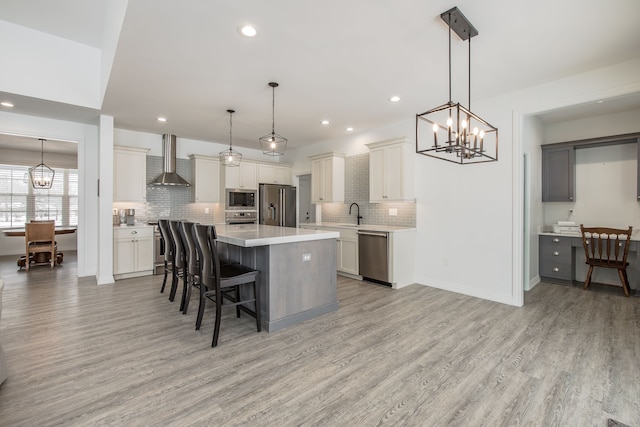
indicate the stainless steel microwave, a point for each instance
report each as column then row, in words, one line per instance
column 240, row 199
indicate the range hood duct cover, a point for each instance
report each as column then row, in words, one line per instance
column 169, row 177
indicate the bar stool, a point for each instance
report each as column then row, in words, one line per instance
column 178, row 261
column 163, row 225
column 223, row 282
column 192, row 264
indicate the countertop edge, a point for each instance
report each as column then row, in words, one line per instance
column 364, row 227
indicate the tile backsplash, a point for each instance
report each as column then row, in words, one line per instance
column 173, row 202
column 356, row 189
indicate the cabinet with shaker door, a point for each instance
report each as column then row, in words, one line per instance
column 274, row 174
column 558, row 173
column 391, row 170
column 206, row 179
column 129, row 174
column 241, row 177
column 132, row 251
column 327, row 178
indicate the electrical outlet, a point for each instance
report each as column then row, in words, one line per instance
column 393, row 212
column 206, row 210
column 306, row 257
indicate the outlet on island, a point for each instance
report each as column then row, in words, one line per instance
column 306, row 257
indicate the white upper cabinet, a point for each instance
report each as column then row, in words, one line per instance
column 274, row 174
column 243, row 176
column 129, row 174
column 206, row 182
column 327, row 178
column 391, row 170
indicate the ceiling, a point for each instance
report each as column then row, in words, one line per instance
column 28, row 143
column 334, row 60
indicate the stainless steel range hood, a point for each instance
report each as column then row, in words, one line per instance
column 169, row 176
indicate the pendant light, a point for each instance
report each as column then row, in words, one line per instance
column 452, row 132
column 273, row 144
column 230, row 157
column 41, row 176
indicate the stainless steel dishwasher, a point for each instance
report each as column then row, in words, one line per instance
column 373, row 256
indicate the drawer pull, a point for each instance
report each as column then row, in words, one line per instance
column 556, row 253
column 556, row 269
column 556, row 240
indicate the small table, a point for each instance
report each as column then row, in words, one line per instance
column 39, row 257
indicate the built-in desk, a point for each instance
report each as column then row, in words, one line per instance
column 561, row 255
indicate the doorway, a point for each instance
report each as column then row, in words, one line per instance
column 307, row 211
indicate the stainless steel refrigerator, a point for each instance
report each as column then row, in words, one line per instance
column 277, row 205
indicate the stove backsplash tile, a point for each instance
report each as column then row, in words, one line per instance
column 175, row 202
column 356, row 189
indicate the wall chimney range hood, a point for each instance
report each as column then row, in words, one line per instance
column 169, row 177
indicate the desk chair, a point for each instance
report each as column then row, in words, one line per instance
column 40, row 238
column 607, row 248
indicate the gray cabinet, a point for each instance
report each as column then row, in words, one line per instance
column 556, row 259
column 558, row 173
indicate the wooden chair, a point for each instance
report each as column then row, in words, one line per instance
column 219, row 283
column 40, row 239
column 178, row 261
column 192, row 268
column 608, row 248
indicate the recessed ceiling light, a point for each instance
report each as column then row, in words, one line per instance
column 394, row 99
column 325, row 122
column 349, row 129
column 162, row 119
column 6, row 104
column 248, row 30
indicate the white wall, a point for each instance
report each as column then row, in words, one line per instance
column 532, row 138
column 87, row 138
column 469, row 218
column 48, row 67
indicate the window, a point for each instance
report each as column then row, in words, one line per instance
column 20, row 202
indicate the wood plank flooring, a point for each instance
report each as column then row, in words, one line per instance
column 123, row 355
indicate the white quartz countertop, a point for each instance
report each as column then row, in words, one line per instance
column 364, row 227
column 250, row 235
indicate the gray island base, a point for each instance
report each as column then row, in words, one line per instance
column 297, row 279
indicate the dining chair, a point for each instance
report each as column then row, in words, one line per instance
column 165, row 235
column 40, row 238
column 224, row 283
column 607, row 248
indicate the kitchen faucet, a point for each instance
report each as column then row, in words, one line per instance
column 358, row 217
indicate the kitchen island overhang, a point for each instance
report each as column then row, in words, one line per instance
column 297, row 279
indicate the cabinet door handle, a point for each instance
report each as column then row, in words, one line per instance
column 556, row 240
column 556, row 269
column 556, row 253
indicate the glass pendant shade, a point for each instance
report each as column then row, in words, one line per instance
column 273, row 144
column 41, row 176
column 451, row 131
column 230, row 157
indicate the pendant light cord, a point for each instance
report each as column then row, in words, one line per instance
column 469, row 73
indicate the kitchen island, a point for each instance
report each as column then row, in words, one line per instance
column 297, row 279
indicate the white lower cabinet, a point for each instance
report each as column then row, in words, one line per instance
column 348, row 252
column 132, row 251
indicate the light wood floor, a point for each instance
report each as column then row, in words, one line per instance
column 122, row 355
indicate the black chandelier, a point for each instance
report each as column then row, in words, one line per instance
column 273, row 144
column 41, row 176
column 451, row 131
column 230, row 157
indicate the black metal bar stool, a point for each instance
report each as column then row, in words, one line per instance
column 165, row 235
